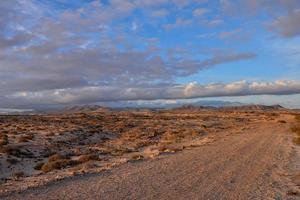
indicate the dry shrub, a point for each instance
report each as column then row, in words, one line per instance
column 3, row 139
column 282, row 121
column 297, row 117
column 17, row 152
column 58, row 164
column 137, row 157
column 296, row 129
column 39, row 166
column 172, row 137
column 88, row 157
column 18, row 174
column 11, row 150
column 50, row 134
column 292, row 193
column 55, row 157
column 170, row 148
column 119, row 151
column 296, row 140
column 162, row 148
column 25, row 138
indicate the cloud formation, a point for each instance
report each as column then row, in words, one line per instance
column 287, row 26
column 60, row 52
column 286, row 13
column 85, row 54
column 92, row 94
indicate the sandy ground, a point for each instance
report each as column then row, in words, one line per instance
column 41, row 148
column 258, row 163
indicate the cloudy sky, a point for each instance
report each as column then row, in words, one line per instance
column 62, row 52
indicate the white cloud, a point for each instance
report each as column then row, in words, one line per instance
column 89, row 54
column 191, row 90
column 200, row 12
column 289, row 25
column 179, row 23
column 159, row 13
column 134, row 26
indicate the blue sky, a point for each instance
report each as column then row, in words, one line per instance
column 62, row 52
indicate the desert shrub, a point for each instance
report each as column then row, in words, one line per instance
column 16, row 151
column 296, row 129
column 3, row 139
column 10, row 150
column 46, row 153
column 297, row 117
column 162, row 148
column 297, row 140
column 292, row 193
column 18, row 174
column 137, row 157
column 170, row 148
column 58, row 164
column 275, row 114
column 117, row 152
column 38, row 166
column 55, row 157
column 282, row 121
column 172, row 137
column 25, row 138
column 50, row 134
column 88, row 157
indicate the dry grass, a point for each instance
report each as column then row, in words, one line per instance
column 292, row 193
column 3, row 139
column 39, row 166
column 16, row 151
column 296, row 129
column 58, row 164
column 137, row 157
column 25, row 138
column 88, row 157
column 282, row 121
column 56, row 141
column 56, row 157
column 18, row 174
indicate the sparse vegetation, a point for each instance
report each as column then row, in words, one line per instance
column 39, row 166
column 296, row 129
column 3, row 139
column 292, row 193
column 84, row 141
column 56, row 157
column 58, row 164
column 25, row 138
column 282, row 121
column 88, row 157
column 18, row 174
column 137, row 157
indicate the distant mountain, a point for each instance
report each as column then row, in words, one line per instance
column 160, row 105
column 256, row 107
column 217, row 104
column 199, row 105
column 86, row 108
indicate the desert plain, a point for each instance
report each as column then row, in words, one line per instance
column 249, row 152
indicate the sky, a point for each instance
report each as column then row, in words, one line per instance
column 65, row 52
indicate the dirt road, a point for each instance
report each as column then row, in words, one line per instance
column 254, row 164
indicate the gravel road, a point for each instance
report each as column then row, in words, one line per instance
column 249, row 165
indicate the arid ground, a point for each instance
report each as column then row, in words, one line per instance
column 185, row 153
